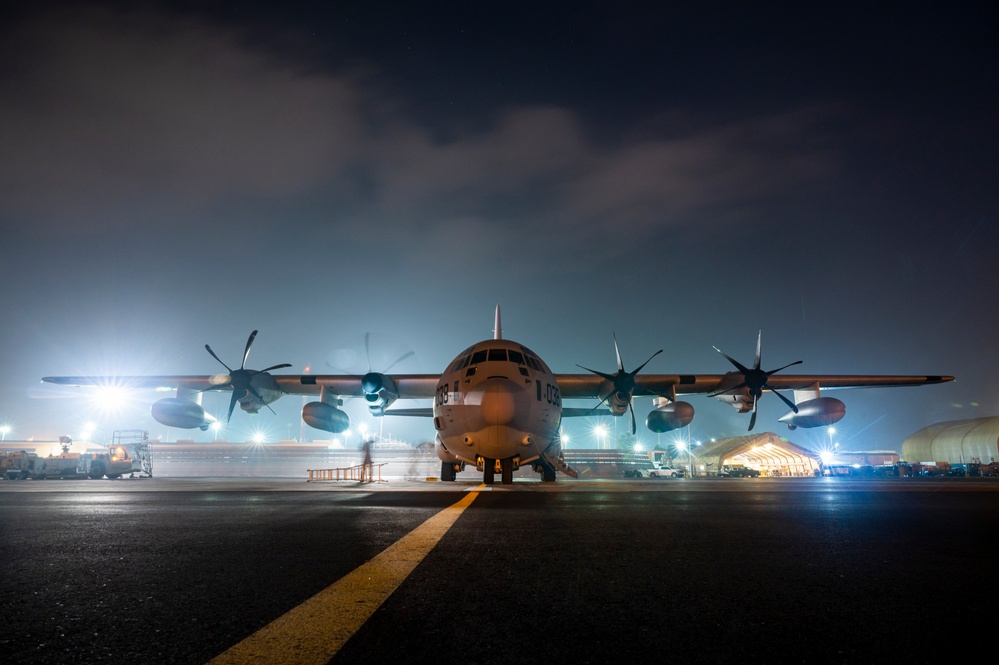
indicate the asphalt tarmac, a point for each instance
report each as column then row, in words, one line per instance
column 782, row 570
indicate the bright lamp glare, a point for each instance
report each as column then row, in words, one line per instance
column 110, row 397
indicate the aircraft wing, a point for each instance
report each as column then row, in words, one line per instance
column 192, row 382
column 410, row 386
column 650, row 385
column 583, row 386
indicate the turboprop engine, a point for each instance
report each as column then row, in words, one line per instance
column 182, row 413
column 669, row 417
column 325, row 417
column 817, row 412
column 379, row 392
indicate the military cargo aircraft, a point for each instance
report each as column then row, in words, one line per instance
column 497, row 405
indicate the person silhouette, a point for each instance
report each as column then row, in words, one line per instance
column 366, row 467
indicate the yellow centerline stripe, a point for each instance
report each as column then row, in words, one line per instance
column 315, row 630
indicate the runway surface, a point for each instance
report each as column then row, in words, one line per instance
column 815, row 570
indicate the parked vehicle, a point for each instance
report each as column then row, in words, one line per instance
column 128, row 455
column 738, row 471
column 666, row 472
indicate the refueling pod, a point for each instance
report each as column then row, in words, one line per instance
column 817, row 412
column 670, row 416
column 182, row 413
column 325, row 417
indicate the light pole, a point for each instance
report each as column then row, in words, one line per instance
column 601, row 432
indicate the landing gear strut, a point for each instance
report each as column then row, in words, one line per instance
column 449, row 471
column 506, row 470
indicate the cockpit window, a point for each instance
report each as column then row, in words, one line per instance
column 516, row 357
column 479, row 357
column 497, row 354
column 534, row 363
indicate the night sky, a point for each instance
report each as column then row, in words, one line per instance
column 683, row 177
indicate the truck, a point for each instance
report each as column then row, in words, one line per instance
column 128, row 454
column 658, row 467
column 20, row 464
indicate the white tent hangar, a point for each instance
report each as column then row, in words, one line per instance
column 956, row 442
column 766, row 452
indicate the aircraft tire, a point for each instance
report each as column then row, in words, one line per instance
column 447, row 472
column 488, row 471
column 506, row 465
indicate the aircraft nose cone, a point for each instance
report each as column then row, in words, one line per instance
column 497, row 404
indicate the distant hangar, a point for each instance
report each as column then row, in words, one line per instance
column 767, row 452
column 956, row 441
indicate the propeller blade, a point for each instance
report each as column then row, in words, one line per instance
column 249, row 343
column 217, row 358
column 599, row 404
column 739, row 366
column 791, row 405
column 634, row 427
column 752, row 418
column 232, row 405
column 642, row 366
column 281, row 366
column 774, row 371
column 728, row 390
column 759, row 348
column 398, row 360
column 367, row 349
column 602, row 375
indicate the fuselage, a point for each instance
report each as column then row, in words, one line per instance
column 496, row 401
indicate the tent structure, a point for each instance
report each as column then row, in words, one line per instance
column 956, row 442
column 766, row 452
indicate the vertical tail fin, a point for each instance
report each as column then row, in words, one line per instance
column 497, row 331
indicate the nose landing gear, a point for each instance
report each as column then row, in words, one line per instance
column 504, row 467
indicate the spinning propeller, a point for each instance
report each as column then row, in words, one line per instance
column 755, row 380
column 241, row 380
column 347, row 363
column 623, row 382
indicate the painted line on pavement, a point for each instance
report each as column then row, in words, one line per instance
column 315, row 630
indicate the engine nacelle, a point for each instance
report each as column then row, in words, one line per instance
column 379, row 392
column 739, row 400
column 325, row 417
column 670, row 417
column 817, row 412
column 182, row 413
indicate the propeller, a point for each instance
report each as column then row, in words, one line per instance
column 623, row 382
column 241, row 380
column 347, row 361
column 755, row 380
